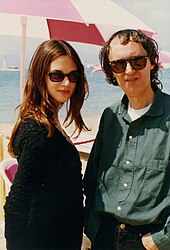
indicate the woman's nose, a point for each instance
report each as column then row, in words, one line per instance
column 65, row 81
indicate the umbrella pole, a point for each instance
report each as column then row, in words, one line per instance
column 23, row 55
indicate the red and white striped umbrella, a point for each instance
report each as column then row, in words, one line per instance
column 102, row 18
column 164, row 59
column 90, row 21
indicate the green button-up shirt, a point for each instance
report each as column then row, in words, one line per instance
column 128, row 172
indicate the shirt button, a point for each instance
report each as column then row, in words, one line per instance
column 130, row 137
column 128, row 162
column 119, row 208
column 125, row 184
column 122, row 226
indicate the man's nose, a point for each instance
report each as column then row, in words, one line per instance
column 129, row 68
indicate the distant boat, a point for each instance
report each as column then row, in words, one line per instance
column 90, row 66
column 97, row 69
column 9, row 68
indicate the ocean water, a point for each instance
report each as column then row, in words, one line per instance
column 101, row 93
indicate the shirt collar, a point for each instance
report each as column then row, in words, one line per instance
column 156, row 108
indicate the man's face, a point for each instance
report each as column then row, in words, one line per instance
column 133, row 82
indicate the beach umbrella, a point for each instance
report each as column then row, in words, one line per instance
column 164, row 59
column 102, row 19
column 97, row 19
column 91, row 21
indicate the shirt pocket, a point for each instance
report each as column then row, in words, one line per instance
column 156, row 178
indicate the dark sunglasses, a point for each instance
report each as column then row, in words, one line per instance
column 138, row 63
column 58, row 76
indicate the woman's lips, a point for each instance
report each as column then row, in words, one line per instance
column 64, row 92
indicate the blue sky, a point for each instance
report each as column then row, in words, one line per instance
column 154, row 13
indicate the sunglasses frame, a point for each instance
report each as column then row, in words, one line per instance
column 129, row 60
column 63, row 75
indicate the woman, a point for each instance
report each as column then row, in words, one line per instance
column 44, row 209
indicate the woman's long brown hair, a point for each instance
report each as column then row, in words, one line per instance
column 37, row 103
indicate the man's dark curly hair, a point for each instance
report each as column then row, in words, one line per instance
column 149, row 44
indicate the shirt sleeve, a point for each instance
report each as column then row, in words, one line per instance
column 162, row 238
column 91, row 218
column 90, row 177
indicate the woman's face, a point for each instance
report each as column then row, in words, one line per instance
column 61, row 90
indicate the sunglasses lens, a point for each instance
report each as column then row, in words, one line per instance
column 138, row 62
column 73, row 76
column 118, row 66
column 56, row 76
